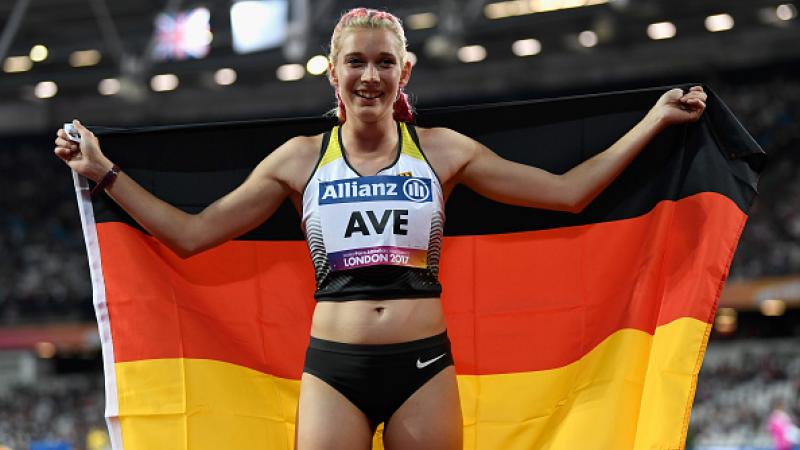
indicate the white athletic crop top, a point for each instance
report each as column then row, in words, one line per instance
column 374, row 237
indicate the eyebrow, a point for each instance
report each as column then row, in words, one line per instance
column 362, row 54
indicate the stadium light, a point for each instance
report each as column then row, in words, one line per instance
column 109, row 86
column 164, row 82
column 317, row 65
column 726, row 320
column 14, row 64
column 259, row 24
column 84, row 58
column 45, row 89
column 719, row 22
column 526, row 47
column 38, row 53
column 772, row 307
column 472, row 53
column 787, row 11
column 225, row 76
column 502, row 10
column 661, row 30
column 290, row 72
column 587, row 38
column 422, row 21
column 45, row 350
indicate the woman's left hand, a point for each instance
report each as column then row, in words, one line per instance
column 676, row 107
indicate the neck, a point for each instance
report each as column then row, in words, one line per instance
column 368, row 137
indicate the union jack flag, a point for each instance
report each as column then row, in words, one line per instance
column 184, row 35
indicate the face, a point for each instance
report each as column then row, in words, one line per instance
column 368, row 72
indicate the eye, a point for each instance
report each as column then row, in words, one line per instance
column 387, row 62
column 353, row 61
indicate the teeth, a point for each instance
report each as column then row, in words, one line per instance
column 368, row 95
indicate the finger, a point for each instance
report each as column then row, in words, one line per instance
column 672, row 96
column 66, row 151
column 693, row 97
column 65, row 139
column 698, row 101
column 82, row 130
column 68, row 146
column 77, row 124
column 65, row 143
column 62, row 153
column 696, row 89
column 695, row 110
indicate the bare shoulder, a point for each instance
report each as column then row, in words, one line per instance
column 298, row 148
column 447, row 150
column 441, row 137
column 293, row 162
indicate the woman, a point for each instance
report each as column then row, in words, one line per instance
column 372, row 209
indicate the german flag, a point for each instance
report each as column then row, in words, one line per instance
column 570, row 331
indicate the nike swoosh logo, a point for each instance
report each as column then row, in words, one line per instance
column 422, row 365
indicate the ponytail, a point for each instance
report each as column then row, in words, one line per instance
column 402, row 109
column 340, row 114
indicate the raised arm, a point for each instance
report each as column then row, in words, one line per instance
column 518, row 184
column 242, row 209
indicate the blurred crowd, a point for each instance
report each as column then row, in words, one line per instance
column 740, row 384
column 65, row 410
column 44, row 274
column 770, row 110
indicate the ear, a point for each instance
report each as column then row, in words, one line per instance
column 405, row 74
column 332, row 79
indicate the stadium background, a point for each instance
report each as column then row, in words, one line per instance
column 104, row 62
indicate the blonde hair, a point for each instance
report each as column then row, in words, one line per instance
column 367, row 18
column 371, row 18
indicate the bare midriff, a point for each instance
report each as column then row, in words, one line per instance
column 378, row 321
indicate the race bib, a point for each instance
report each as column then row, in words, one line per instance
column 377, row 220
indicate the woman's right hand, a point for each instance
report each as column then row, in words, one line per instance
column 85, row 158
column 277, row 176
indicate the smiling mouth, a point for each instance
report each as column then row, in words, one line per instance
column 369, row 95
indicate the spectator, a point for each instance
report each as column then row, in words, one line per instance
column 782, row 428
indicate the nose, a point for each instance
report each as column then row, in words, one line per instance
column 370, row 73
